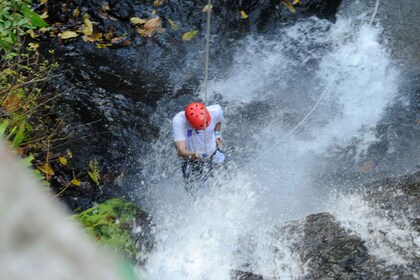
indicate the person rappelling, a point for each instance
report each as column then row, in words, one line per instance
column 198, row 142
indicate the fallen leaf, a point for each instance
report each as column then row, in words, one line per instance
column 117, row 40
column 32, row 33
column 44, row 15
column 68, row 34
column 244, row 15
column 154, row 12
column 173, row 24
column 44, row 29
column 46, row 169
column 152, row 23
column 76, row 182
column 63, row 161
column 11, row 103
column 157, row 3
column 87, row 25
column 289, row 6
column 69, row 154
column 137, row 21
column 295, row 2
column 188, row 36
column 207, row 8
column 76, row 12
column 150, row 27
column 93, row 38
column 103, row 46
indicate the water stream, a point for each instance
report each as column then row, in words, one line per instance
column 271, row 86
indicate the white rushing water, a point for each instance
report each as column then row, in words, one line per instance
column 271, row 86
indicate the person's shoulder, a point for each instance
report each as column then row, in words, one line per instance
column 214, row 108
column 179, row 116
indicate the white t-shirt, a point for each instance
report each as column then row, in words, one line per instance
column 194, row 139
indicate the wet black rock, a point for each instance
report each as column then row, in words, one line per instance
column 325, row 249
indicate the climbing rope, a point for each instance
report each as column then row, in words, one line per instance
column 206, row 70
column 316, row 104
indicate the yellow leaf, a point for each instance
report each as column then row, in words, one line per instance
column 289, row 6
column 150, row 27
column 157, row 3
column 207, row 8
column 44, row 15
column 76, row 12
column 43, row 2
column 44, row 29
column 32, row 33
column 103, row 46
column 153, row 23
column 173, row 24
column 87, row 25
column 69, row 154
column 63, row 161
column 144, row 32
column 137, row 21
column 106, row 6
column 76, row 182
column 154, row 12
column 92, row 38
column 11, row 103
column 34, row 46
column 295, row 2
column 68, row 34
column 244, row 15
column 46, row 169
column 189, row 35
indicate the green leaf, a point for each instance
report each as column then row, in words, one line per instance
column 3, row 127
column 189, row 35
column 20, row 136
column 35, row 18
column 27, row 161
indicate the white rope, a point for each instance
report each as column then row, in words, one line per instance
column 206, row 70
column 300, row 123
column 375, row 11
column 316, row 104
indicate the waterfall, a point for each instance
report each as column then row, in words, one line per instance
column 271, row 86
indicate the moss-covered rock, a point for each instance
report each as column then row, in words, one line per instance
column 112, row 223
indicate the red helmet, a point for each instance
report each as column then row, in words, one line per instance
column 194, row 113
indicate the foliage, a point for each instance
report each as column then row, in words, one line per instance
column 110, row 223
column 16, row 17
column 22, row 78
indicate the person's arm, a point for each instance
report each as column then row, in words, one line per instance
column 182, row 151
column 217, row 133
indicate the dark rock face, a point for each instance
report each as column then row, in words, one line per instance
column 327, row 250
column 332, row 252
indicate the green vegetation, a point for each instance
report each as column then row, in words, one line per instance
column 111, row 223
column 22, row 78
